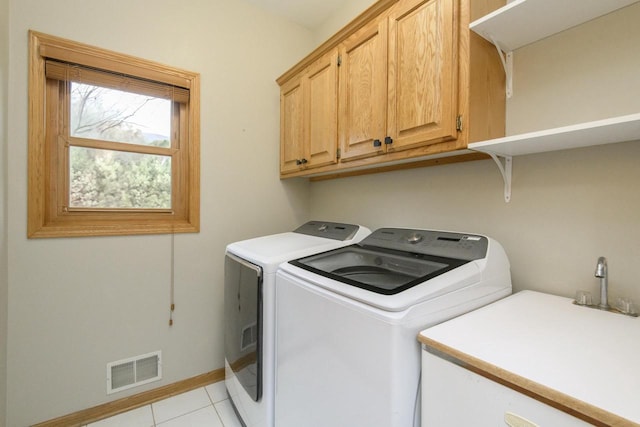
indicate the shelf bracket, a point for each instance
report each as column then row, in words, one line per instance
column 507, row 64
column 505, row 171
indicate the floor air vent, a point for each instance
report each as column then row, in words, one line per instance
column 133, row 372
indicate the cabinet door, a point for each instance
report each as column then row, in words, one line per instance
column 453, row 396
column 422, row 73
column 322, row 116
column 363, row 91
column 292, row 132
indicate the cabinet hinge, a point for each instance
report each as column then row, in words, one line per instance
column 459, row 123
column 339, row 62
column 338, row 153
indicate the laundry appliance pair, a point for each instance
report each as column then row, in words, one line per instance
column 321, row 323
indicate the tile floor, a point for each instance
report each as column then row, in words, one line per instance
column 207, row 406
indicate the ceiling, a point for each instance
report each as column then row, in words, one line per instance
column 308, row 13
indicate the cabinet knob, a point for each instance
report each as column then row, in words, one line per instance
column 377, row 143
column 388, row 140
column 301, row 161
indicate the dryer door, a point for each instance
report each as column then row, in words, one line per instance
column 243, row 322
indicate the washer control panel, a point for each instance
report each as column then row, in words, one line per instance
column 430, row 242
column 414, row 238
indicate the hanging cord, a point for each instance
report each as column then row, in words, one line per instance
column 172, row 307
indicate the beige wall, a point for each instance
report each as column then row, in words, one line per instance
column 4, row 81
column 76, row 304
column 567, row 207
column 587, row 73
column 337, row 20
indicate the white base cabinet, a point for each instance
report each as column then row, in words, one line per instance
column 532, row 356
column 453, row 396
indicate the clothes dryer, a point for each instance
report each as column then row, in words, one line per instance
column 249, row 286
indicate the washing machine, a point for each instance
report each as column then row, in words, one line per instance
column 347, row 353
column 249, row 301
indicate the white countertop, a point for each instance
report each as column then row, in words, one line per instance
column 590, row 358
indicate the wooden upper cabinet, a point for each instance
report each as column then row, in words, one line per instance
column 363, row 91
column 413, row 83
column 323, row 111
column 309, row 117
column 398, row 80
column 422, row 76
column 292, row 122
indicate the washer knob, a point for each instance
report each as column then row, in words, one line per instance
column 414, row 238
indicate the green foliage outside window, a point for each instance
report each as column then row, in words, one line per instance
column 113, row 179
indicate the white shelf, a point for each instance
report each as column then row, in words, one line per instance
column 520, row 23
column 600, row 132
column 526, row 21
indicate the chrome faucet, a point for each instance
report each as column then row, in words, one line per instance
column 623, row 305
column 603, row 274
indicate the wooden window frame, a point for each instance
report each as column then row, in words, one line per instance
column 47, row 214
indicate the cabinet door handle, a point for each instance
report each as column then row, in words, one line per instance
column 388, row 140
column 377, row 143
column 301, row 161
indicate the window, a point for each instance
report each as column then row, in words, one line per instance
column 113, row 143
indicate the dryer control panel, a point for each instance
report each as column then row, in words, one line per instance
column 328, row 230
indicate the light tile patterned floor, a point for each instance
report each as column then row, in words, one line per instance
column 207, row 407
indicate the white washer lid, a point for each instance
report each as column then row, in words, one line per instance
column 464, row 276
